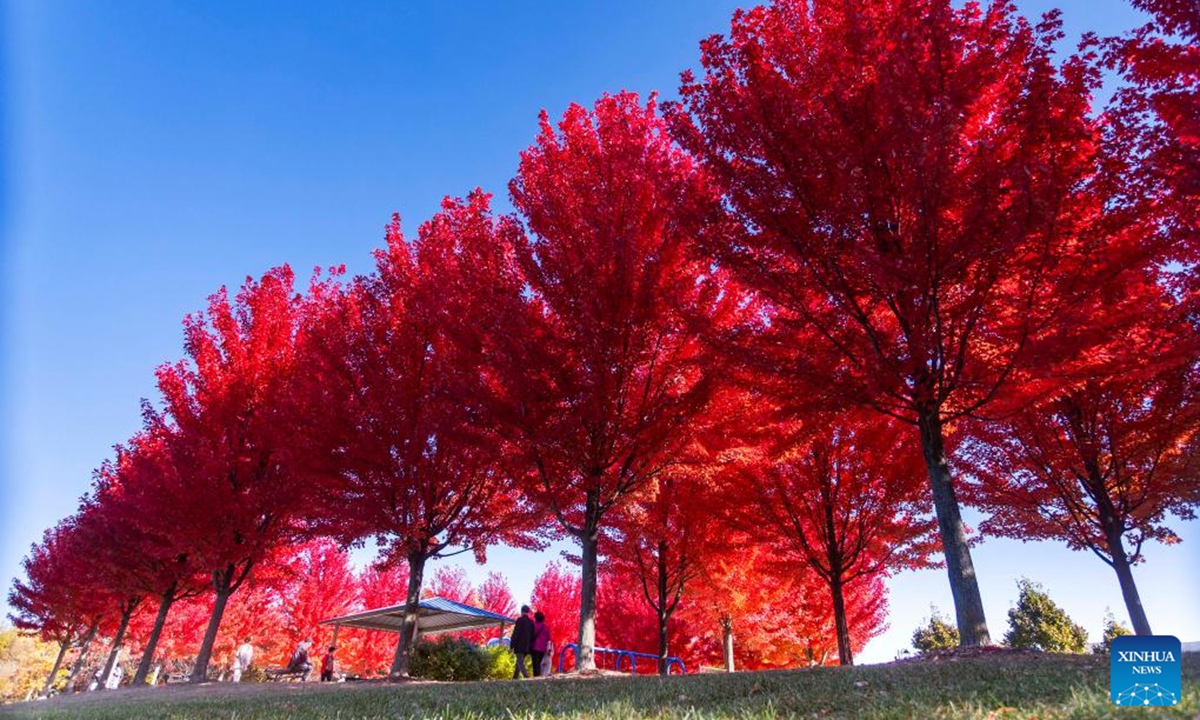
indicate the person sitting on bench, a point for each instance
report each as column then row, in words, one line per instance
column 299, row 662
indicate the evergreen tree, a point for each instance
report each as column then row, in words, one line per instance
column 1112, row 629
column 1039, row 624
column 937, row 634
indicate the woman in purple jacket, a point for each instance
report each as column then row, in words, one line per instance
column 541, row 639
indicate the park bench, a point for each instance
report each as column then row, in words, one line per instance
column 285, row 675
column 621, row 659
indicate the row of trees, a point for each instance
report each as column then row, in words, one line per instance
column 750, row 328
column 786, row 620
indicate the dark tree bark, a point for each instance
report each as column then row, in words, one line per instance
column 1129, row 591
column 83, row 651
column 408, row 631
column 200, row 671
column 62, row 652
column 164, row 606
column 664, row 612
column 126, row 612
column 587, row 605
column 964, row 587
column 845, row 652
column 225, row 582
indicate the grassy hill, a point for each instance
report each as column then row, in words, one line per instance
column 991, row 685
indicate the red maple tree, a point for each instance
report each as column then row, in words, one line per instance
column 912, row 187
column 496, row 596
column 59, row 598
column 659, row 542
column 143, row 528
column 117, row 562
column 767, row 615
column 1154, row 131
column 608, row 373
column 228, row 418
column 318, row 584
column 1102, row 464
column 404, row 447
column 452, row 583
column 556, row 594
column 840, row 495
column 370, row 652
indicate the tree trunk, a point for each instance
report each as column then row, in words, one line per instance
column 62, row 653
column 1114, row 533
column 1129, row 591
column 200, row 671
column 964, row 587
column 116, row 648
column 164, row 606
column 408, row 631
column 663, row 652
column 845, row 653
column 586, row 657
column 727, row 641
column 664, row 612
column 837, row 586
column 83, row 650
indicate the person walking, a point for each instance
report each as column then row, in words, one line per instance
column 242, row 659
column 521, row 642
column 327, row 665
column 541, row 641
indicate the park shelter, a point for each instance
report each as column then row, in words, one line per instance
column 434, row 615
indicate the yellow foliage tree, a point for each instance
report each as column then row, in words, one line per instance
column 24, row 663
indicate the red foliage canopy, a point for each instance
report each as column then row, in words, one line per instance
column 230, row 423
column 842, row 496
column 62, row 598
column 608, row 372
column 915, row 195
column 1102, row 465
column 403, row 441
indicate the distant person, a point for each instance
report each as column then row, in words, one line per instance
column 299, row 662
column 327, row 665
column 522, row 642
column 541, row 641
column 242, row 659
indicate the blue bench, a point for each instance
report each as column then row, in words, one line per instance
column 621, row 655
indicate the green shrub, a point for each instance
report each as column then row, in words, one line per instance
column 1038, row 623
column 501, row 662
column 938, row 634
column 448, row 658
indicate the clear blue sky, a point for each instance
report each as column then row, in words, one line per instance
column 153, row 152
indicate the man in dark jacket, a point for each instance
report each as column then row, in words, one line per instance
column 522, row 642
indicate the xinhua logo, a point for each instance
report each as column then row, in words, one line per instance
column 1146, row 670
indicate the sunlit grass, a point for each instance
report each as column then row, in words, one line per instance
column 993, row 688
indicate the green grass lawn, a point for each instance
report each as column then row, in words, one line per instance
column 996, row 686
